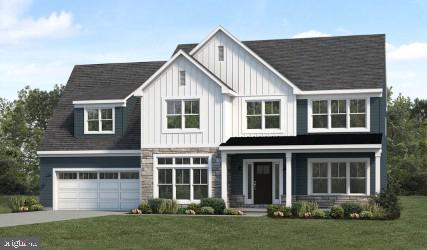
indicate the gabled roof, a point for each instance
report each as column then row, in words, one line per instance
column 95, row 82
column 324, row 63
column 224, row 87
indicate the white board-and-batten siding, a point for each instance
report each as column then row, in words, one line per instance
column 249, row 78
column 167, row 86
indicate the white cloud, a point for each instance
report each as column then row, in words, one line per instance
column 15, row 26
column 407, row 52
column 311, row 33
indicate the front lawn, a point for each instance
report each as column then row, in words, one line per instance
column 187, row 232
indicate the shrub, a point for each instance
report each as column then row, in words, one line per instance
column 190, row 212
column 351, row 208
column 135, row 211
column 168, row 206
column 181, row 210
column 217, row 204
column 195, row 207
column 390, row 202
column 36, row 207
column 318, row 214
column 145, row 208
column 31, row 200
column 376, row 210
column 296, row 207
column 354, row 216
column 155, row 205
column 366, row 215
column 231, row 211
column 206, row 210
column 337, row 212
column 304, row 209
column 17, row 203
column 279, row 211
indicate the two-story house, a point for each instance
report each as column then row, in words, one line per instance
column 252, row 122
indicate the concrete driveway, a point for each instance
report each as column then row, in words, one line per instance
column 16, row 219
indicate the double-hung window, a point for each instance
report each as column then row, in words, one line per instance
column 99, row 121
column 338, row 115
column 183, row 114
column 263, row 115
column 182, row 178
column 338, row 176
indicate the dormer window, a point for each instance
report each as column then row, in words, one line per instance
column 99, row 121
column 221, row 53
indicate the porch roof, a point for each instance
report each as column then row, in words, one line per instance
column 311, row 139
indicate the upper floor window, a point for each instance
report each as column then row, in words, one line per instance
column 263, row 114
column 221, row 53
column 339, row 115
column 183, row 114
column 99, row 121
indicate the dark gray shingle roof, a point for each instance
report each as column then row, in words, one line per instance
column 340, row 62
column 91, row 82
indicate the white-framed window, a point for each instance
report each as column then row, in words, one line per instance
column 99, row 120
column 340, row 176
column 262, row 115
column 338, row 115
column 182, row 115
column 184, row 178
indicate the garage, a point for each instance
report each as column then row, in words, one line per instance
column 105, row 189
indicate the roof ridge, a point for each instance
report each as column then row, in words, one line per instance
column 115, row 63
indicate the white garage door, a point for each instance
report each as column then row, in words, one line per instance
column 97, row 190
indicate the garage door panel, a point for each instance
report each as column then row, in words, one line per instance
column 128, row 205
column 109, row 195
column 88, row 195
column 109, row 185
column 68, row 185
column 129, row 195
column 68, row 195
column 109, row 204
column 129, row 185
column 88, row 185
column 68, row 204
column 88, row 204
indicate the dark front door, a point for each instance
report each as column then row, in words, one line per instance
column 262, row 183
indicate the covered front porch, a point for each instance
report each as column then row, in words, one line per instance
column 259, row 175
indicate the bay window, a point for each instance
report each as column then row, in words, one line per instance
column 338, row 115
column 338, row 176
column 182, row 178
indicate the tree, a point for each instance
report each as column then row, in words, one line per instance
column 21, row 130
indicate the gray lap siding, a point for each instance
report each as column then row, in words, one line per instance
column 48, row 163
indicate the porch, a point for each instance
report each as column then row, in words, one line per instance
column 259, row 175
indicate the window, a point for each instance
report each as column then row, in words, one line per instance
column 67, row 176
column 182, row 77
column 87, row 176
column 200, row 183
column 165, row 183
column 320, row 177
column 339, row 115
column 320, row 114
column 109, row 175
column 263, row 115
column 129, row 175
column 357, row 177
column 338, row 176
column 187, row 117
column 99, row 120
column 357, row 113
column 221, row 53
column 184, row 179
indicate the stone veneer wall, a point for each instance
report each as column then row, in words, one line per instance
column 147, row 167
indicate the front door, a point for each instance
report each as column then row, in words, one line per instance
column 262, row 183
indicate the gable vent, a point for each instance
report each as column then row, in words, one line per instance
column 221, row 53
column 182, row 77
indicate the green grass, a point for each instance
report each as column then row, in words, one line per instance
column 186, row 232
column 4, row 204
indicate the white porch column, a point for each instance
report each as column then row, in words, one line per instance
column 224, row 184
column 288, row 179
column 378, row 171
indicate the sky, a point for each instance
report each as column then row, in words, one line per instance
column 41, row 40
